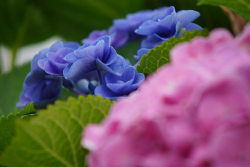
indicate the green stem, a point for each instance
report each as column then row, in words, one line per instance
column 20, row 36
column 1, row 64
column 13, row 57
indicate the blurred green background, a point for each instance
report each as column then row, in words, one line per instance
column 25, row 22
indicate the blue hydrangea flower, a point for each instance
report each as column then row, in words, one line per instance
column 92, row 60
column 165, row 25
column 115, row 86
column 94, row 35
column 52, row 61
column 95, row 67
column 122, row 30
column 39, row 88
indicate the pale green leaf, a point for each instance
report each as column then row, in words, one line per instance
column 160, row 55
column 52, row 139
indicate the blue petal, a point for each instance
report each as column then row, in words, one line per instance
column 104, row 92
column 163, row 12
column 187, row 16
column 102, row 67
column 56, row 46
column 94, row 35
column 52, row 90
column 124, row 84
column 139, row 78
column 151, row 41
column 40, row 55
column 119, row 38
column 122, row 24
column 34, row 76
column 147, row 28
column 141, row 52
column 71, row 57
column 167, row 26
column 72, row 45
column 54, row 68
column 80, row 68
column 121, row 89
column 87, row 51
column 120, row 64
column 105, row 39
column 193, row 26
column 42, row 62
column 23, row 101
column 59, row 55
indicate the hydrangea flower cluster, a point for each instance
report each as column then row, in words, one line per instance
column 40, row 87
column 95, row 67
column 194, row 112
column 151, row 26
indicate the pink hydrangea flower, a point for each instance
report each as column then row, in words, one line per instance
column 194, row 112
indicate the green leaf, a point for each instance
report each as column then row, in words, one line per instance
column 241, row 7
column 160, row 55
column 11, row 85
column 7, row 124
column 53, row 137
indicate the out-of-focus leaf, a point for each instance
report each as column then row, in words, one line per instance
column 75, row 19
column 11, row 85
column 241, row 7
column 24, row 22
column 21, row 23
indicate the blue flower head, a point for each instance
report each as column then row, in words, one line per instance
column 122, row 30
column 39, row 88
column 92, row 60
column 52, row 61
column 115, row 86
column 166, row 24
column 95, row 67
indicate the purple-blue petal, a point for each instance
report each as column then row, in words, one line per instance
column 187, row 16
column 94, row 35
column 80, row 68
column 105, row 92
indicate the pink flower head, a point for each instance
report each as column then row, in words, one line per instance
column 194, row 112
